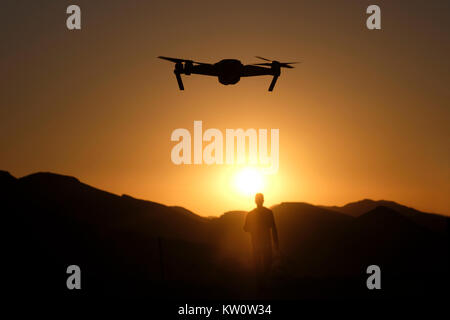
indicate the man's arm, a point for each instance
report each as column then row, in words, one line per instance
column 274, row 232
column 246, row 226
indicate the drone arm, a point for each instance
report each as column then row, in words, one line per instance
column 272, row 84
column 252, row 71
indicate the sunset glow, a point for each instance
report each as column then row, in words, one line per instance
column 353, row 123
column 249, row 181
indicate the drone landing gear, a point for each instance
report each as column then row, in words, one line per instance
column 180, row 82
column 177, row 71
column 272, row 84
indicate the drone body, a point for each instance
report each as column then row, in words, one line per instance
column 228, row 71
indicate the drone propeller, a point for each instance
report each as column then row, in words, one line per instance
column 282, row 64
column 262, row 58
column 272, row 62
column 177, row 60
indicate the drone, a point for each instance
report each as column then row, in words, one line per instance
column 228, row 71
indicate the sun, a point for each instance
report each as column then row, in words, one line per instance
column 249, row 181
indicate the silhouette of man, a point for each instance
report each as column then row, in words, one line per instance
column 260, row 223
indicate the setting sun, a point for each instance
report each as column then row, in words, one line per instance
column 249, row 181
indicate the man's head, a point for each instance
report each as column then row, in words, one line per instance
column 259, row 199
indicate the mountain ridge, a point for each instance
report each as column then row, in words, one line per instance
column 58, row 220
column 353, row 209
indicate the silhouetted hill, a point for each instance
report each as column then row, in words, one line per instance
column 433, row 221
column 58, row 220
column 6, row 177
column 398, row 243
column 305, row 232
column 188, row 213
column 83, row 203
column 7, row 183
column 384, row 217
column 125, row 246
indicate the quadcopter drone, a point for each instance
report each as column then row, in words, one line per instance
column 228, row 71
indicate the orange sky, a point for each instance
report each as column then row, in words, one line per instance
column 364, row 116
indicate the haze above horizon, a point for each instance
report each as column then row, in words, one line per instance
column 364, row 116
